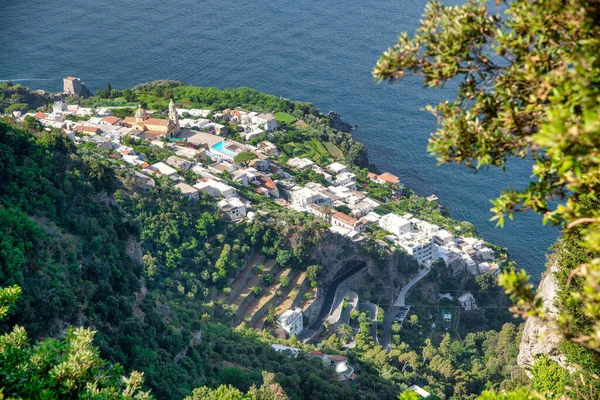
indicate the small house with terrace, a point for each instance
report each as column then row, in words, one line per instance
column 345, row 221
column 188, row 191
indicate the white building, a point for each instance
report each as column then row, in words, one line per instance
column 215, row 188
column 419, row 246
column 163, row 169
column 292, row 351
column 337, row 168
column 233, row 207
column 300, row 163
column 467, row 301
column 305, row 196
column 420, row 391
column 178, row 162
column 188, row 191
column 346, row 178
column 268, row 121
column 291, row 321
column 443, row 238
column 58, row 107
column 194, row 112
column 344, row 221
column 395, row 224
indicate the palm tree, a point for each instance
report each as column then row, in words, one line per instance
column 344, row 330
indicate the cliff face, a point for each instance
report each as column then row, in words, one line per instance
column 382, row 278
column 538, row 338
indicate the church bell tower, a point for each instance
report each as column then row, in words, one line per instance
column 173, row 120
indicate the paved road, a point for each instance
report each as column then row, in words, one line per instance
column 338, row 315
column 400, row 302
column 362, row 307
column 328, row 301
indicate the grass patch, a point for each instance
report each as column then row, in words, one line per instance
column 285, row 118
column 333, row 150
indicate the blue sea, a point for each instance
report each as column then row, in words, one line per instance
column 318, row 51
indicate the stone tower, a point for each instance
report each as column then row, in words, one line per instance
column 173, row 120
column 72, row 86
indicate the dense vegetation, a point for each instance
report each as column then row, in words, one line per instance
column 527, row 87
column 19, row 98
column 141, row 270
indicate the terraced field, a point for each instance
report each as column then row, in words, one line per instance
column 293, row 292
column 241, row 279
column 243, row 297
column 258, row 309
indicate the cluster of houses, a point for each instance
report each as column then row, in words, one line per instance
column 341, row 193
column 427, row 243
column 198, row 141
column 213, row 154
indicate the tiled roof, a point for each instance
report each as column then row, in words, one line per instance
column 386, row 176
column 111, row 119
column 345, row 218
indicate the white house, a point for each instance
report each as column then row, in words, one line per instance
column 58, row 107
column 268, row 121
column 300, row 163
column 292, row 351
column 342, row 220
column 268, row 147
column 467, row 301
column 163, row 169
column 337, row 168
column 305, row 196
column 345, row 178
column 291, row 321
column 233, row 207
column 188, row 191
column 178, row 162
column 215, row 188
column 395, row 224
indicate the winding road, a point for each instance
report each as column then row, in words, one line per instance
column 400, row 302
column 328, row 301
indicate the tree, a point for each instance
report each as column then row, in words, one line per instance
column 66, row 368
column 128, row 95
column 313, row 273
column 257, row 290
column 284, row 280
column 283, row 257
column 244, row 157
column 413, row 320
column 344, row 330
column 528, row 88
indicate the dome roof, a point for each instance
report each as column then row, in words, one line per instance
column 140, row 113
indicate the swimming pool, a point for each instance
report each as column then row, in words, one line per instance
column 221, row 147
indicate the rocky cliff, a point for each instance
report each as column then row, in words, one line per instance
column 539, row 338
column 382, row 277
column 338, row 123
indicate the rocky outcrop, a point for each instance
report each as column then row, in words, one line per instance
column 538, row 338
column 384, row 277
column 337, row 123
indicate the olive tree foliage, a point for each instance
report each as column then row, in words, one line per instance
column 58, row 369
column 528, row 75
